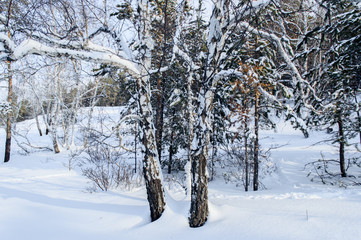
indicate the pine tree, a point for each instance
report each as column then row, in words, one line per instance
column 338, row 78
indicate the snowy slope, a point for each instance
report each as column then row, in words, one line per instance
column 40, row 199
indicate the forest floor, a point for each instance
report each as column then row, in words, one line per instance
column 41, row 199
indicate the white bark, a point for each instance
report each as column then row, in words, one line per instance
column 215, row 55
column 151, row 165
column 190, row 110
column 89, row 52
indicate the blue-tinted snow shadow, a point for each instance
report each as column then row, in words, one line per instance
column 142, row 211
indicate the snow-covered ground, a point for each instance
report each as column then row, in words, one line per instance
column 41, row 199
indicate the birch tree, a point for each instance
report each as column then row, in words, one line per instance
column 151, row 168
column 5, row 29
column 70, row 43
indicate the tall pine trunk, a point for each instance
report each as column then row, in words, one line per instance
column 358, row 118
column 246, row 153
column 359, row 124
column 135, row 147
column 171, row 146
column 256, row 142
column 341, row 141
column 8, row 118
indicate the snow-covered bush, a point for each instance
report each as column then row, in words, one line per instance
column 234, row 166
column 107, row 168
column 327, row 171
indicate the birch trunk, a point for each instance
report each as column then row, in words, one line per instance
column 54, row 127
column 151, row 166
column 36, row 113
column 190, row 109
column 215, row 44
column 199, row 191
column 151, row 170
column 76, row 102
column 199, row 194
column 94, row 101
column 10, row 94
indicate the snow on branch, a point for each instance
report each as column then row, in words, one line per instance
column 224, row 74
column 93, row 53
column 7, row 44
column 3, row 19
column 129, row 117
column 277, row 41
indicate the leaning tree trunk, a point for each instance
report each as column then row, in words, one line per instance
column 151, row 166
column 151, row 169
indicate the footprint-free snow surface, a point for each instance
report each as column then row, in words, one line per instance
column 41, row 199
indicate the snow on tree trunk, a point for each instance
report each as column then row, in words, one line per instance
column 54, row 127
column 36, row 113
column 199, row 175
column 151, row 167
column 215, row 44
column 94, row 101
column 190, row 109
column 76, row 102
